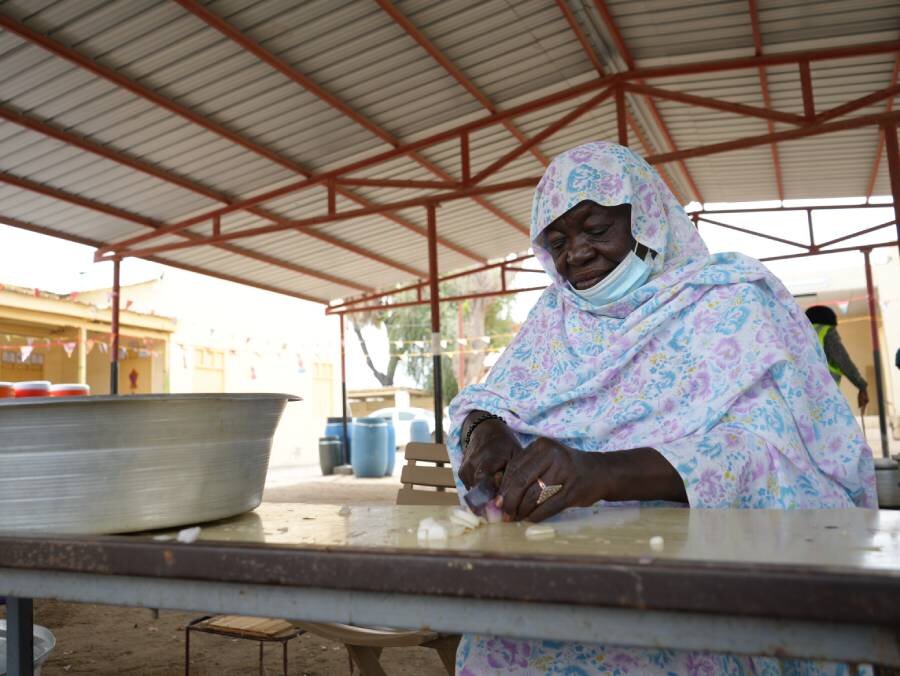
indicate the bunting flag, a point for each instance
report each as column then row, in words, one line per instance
column 25, row 351
column 90, row 345
column 69, row 346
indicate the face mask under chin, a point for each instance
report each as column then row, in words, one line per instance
column 627, row 276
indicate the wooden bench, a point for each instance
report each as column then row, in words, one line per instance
column 260, row 629
column 427, row 477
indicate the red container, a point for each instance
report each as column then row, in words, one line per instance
column 7, row 391
column 32, row 388
column 70, row 390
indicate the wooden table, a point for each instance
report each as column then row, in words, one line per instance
column 818, row 584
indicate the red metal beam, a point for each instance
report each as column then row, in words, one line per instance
column 254, row 48
column 403, row 21
column 621, row 116
column 654, row 111
column 861, row 102
column 789, row 135
column 716, row 104
column 465, row 193
column 781, row 59
column 120, row 80
column 41, row 230
column 889, row 132
column 829, row 251
column 748, row 142
column 543, row 102
column 755, row 234
column 106, row 152
column 827, row 207
column 859, row 233
column 767, row 101
column 445, row 299
column 137, row 219
column 873, row 176
column 397, row 183
column 580, row 36
column 648, row 151
column 546, row 133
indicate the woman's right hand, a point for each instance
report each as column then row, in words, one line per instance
column 491, row 446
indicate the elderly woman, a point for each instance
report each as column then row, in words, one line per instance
column 649, row 370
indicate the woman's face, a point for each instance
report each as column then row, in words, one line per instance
column 588, row 241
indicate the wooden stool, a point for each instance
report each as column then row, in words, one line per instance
column 237, row 626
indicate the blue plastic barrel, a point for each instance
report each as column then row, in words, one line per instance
column 418, row 431
column 369, row 441
column 335, row 428
column 391, row 447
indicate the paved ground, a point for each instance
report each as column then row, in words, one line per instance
column 104, row 640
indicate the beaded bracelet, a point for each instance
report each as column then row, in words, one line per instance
column 475, row 423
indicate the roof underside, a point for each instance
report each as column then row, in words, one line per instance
column 197, row 119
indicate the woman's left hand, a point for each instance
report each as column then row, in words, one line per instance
column 580, row 475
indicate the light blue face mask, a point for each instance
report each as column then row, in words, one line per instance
column 627, row 276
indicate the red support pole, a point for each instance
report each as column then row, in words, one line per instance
column 809, row 105
column 114, row 332
column 345, row 455
column 621, row 117
column 332, row 199
column 434, row 299
column 812, row 234
column 889, row 133
column 873, row 175
column 876, row 353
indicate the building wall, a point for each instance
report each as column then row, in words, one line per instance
column 232, row 338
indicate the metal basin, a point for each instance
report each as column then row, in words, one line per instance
column 128, row 463
column 44, row 643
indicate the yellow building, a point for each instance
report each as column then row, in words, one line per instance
column 45, row 336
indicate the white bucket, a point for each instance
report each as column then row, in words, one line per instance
column 44, row 643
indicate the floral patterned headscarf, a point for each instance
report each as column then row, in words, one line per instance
column 711, row 362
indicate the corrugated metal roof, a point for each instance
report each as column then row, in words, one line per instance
column 511, row 52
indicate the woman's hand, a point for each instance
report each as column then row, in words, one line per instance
column 862, row 398
column 586, row 478
column 492, row 445
column 580, row 474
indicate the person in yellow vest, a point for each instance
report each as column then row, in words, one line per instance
column 824, row 321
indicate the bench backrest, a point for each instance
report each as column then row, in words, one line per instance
column 427, row 477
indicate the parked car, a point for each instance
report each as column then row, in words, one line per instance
column 402, row 417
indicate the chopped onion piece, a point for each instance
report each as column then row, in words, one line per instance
column 540, row 532
column 464, row 518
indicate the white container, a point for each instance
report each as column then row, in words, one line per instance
column 44, row 643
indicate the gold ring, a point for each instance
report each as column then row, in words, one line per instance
column 547, row 492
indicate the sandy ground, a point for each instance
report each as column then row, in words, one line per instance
column 94, row 639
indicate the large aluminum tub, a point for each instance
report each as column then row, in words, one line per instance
column 111, row 464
